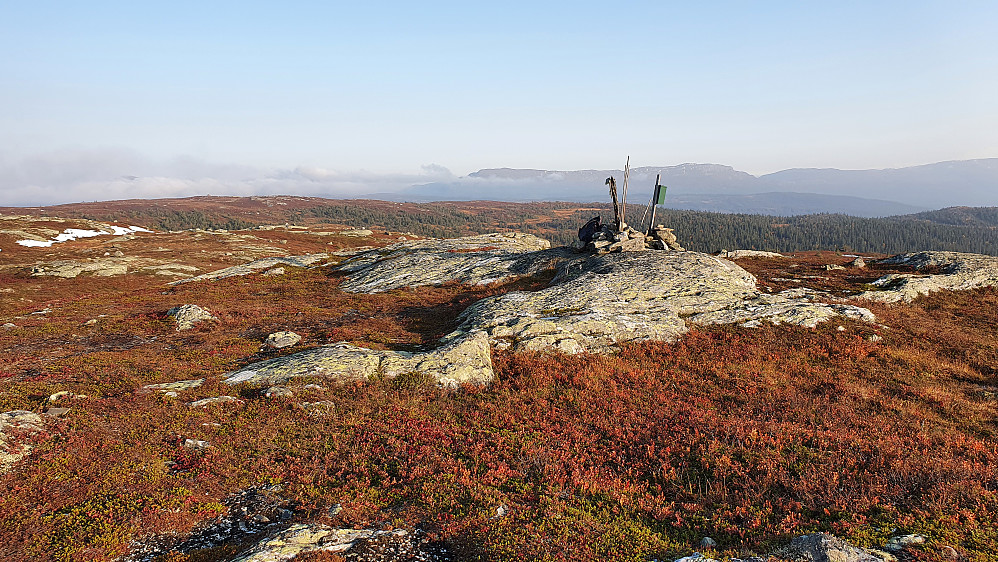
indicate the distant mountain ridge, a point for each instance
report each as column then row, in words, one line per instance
column 720, row 188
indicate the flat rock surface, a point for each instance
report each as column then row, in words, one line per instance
column 257, row 265
column 949, row 271
column 475, row 260
column 596, row 303
column 467, row 360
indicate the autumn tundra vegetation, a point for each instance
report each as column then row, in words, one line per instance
column 748, row 435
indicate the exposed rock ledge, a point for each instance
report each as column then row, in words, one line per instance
column 957, row 271
column 256, row 265
column 593, row 304
column 596, row 303
column 467, row 360
column 475, row 260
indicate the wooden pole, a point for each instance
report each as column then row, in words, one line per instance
column 613, row 195
column 654, row 202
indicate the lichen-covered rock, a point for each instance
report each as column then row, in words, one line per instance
column 601, row 301
column 280, row 340
column 257, row 265
column 174, row 386
column 366, row 544
column 99, row 267
column 957, row 271
column 822, row 547
column 188, row 315
column 465, row 360
column 12, row 424
column 475, row 260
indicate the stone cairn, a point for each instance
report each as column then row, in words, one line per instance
column 605, row 240
column 600, row 238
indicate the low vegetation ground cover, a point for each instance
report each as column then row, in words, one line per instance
column 749, row 436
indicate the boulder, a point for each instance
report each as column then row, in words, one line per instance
column 464, row 360
column 358, row 544
column 280, row 340
column 947, row 271
column 822, row 547
column 188, row 315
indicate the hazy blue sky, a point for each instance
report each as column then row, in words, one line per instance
column 388, row 87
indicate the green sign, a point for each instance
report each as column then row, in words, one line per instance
column 660, row 194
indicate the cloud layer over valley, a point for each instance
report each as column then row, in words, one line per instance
column 70, row 176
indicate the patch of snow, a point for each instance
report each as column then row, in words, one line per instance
column 75, row 233
column 35, row 243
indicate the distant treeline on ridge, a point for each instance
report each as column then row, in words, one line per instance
column 959, row 229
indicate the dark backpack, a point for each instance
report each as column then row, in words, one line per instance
column 589, row 230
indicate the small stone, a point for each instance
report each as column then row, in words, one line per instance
column 66, row 394
column 874, row 338
column 335, row 510
column 858, row 263
column 708, row 542
column 832, row 267
column 949, row 553
column 90, row 322
column 188, row 315
column 274, row 271
column 196, row 444
column 903, row 541
column 9, row 326
column 278, row 392
column 840, row 328
column 279, row 340
column 359, row 232
column 56, row 412
column 170, row 394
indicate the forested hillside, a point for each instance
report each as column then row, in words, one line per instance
column 964, row 229
column 696, row 230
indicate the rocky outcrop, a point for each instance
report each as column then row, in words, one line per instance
column 822, row 547
column 256, row 265
column 738, row 254
column 362, row 544
column 475, row 260
column 108, row 267
column 466, row 360
column 952, row 271
column 189, row 315
column 598, row 302
column 13, row 424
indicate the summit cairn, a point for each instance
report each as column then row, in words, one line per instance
column 599, row 238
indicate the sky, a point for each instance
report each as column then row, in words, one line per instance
column 104, row 100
